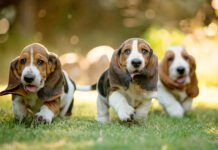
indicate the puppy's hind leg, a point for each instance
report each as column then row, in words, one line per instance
column 102, row 110
column 187, row 104
column 142, row 111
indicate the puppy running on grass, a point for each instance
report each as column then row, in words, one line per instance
column 130, row 82
column 39, row 86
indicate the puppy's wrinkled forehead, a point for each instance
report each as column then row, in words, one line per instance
column 34, row 51
column 179, row 52
column 136, row 44
column 35, row 47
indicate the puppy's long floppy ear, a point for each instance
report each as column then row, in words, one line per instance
column 53, row 87
column 152, row 73
column 14, row 83
column 118, row 76
column 192, row 88
column 152, row 66
column 149, row 77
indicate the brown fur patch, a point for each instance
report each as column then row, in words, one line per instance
column 192, row 88
column 54, row 83
column 54, row 106
column 14, row 83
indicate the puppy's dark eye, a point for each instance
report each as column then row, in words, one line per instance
column 185, row 57
column 127, row 51
column 23, row 61
column 40, row 62
column 145, row 51
column 170, row 59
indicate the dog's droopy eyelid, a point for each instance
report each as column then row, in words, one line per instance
column 145, row 51
column 40, row 62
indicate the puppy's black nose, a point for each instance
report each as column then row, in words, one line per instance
column 180, row 70
column 29, row 78
column 136, row 63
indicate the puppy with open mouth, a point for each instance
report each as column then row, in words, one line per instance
column 130, row 82
column 39, row 86
column 178, row 83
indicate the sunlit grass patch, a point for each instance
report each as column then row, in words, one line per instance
column 196, row 131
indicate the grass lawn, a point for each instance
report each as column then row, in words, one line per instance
column 198, row 130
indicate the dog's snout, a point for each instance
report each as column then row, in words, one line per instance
column 136, row 63
column 180, row 70
column 29, row 78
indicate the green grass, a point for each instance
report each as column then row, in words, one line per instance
column 198, row 130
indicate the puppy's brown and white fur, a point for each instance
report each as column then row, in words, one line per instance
column 130, row 82
column 38, row 85
column 177, row 83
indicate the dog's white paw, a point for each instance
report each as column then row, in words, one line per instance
column 44, row 116
column 103, row 119
column 126, row 113
column 42, row 119
column 175, row 111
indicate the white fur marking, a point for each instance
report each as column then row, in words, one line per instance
column 135, row 54
column 135, row 45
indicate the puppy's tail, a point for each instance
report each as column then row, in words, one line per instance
column 86, row 87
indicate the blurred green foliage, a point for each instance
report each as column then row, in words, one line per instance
column 161, row 38
column 78, row 26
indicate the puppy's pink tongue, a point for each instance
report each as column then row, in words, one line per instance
column 180, row 80
column 31, row 88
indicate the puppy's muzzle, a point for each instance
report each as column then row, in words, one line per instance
column 29, row 78
column 136, row 63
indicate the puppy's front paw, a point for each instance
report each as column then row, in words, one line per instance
column 126, row 113
column 176, row 112
column 43, row 119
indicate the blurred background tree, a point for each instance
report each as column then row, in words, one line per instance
column 78, row 26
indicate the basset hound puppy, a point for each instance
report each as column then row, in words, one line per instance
column 39, row 86
column 130, row 82
column 177, row 84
